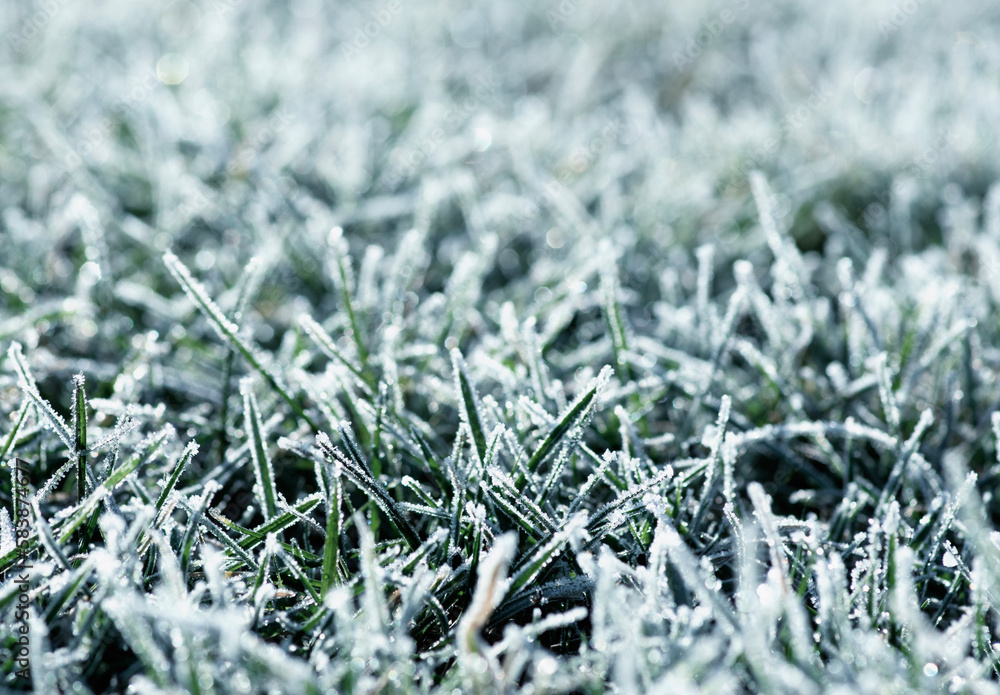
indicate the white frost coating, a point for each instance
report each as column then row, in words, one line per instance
column 516, row 504
column 6, row 533
column 707, row 319
column 606, row 460
column 849, row 427
column 26, row 382
column 763, row 308
column 925, row 421
column 886, row 393
column 226, row 329
column 467, row 410
column 491, row 587
column 788, row 268
column 196, row 291
column 521, row 296
column 762, row 509
column 574, row 534
column 262, row 465
column 693, row 576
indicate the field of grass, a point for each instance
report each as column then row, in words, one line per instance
column 384, row 347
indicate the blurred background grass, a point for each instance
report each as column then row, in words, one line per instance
column 220, row 127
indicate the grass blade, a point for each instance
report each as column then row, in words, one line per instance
column 469, row 408
column 190, row 451
column 345, row 282
column 151, row 447
column 27, row 384
column 195, row 514
column 262, row 466
column 22, row 415
column 334, row 522
column 633, row 495
column 491, row 588
column 575, row 415
column 300, row 576
column 363, row 479
column 228, row 331
column 616, row 324
column 279, row 523
column 329, row 348
column 544, row 555
column 80, row 435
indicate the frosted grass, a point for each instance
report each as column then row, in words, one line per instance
column 580, row 349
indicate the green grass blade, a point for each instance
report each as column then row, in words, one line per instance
column 27, row 384
column 616, row 324
column 334, row 522
column 264, row 568
column 161, row 506
column 553, row 477
column 520, row 510
column 22, row 415
column 469, row 408
column 591, row 482
column 195, row 514
column 80, row 435
column 545, row 554
column 430, row 458
column 574, row 415
column 262, row 466
column 73, row 585
column 378, row 494
column 190, row 451
column 328, row 347
column 300, row 576
column 18, row 474
column 279, row 523
column 248, row 287
column 623, row 501
column 133, row 463
column 762, row 508
column 82, row 513
column 345, row 282
column 50, row 542
column 229, row 333
column 217, row 530
column 12, row 557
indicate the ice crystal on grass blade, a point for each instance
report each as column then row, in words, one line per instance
column 7, row 542
column 27, row 384
column 490, row 590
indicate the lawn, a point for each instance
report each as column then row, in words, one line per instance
column 579, row 347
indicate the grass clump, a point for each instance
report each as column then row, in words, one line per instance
column 499, row 517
